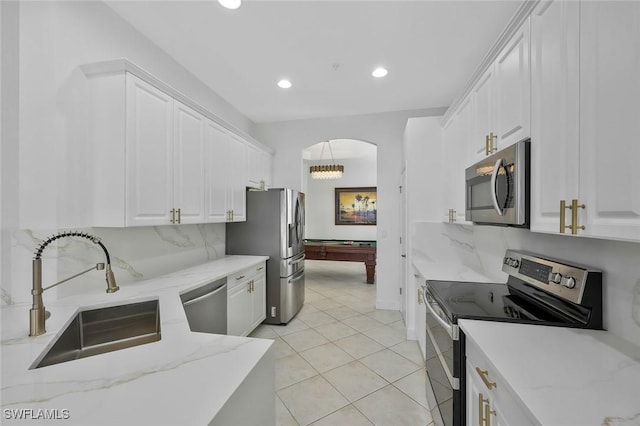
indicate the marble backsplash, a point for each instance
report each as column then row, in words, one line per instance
column 481, row 249
column 136, row 254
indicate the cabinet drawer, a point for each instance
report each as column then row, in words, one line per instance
column 245, row 275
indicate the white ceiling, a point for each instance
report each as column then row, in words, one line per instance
column 327, row 48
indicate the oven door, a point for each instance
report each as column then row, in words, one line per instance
column 442, row 355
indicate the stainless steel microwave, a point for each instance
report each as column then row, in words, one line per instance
column 498, row 187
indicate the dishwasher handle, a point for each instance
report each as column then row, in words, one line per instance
column 206, row 296
column 203, row 292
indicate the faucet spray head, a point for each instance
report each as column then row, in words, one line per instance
column 112, row 287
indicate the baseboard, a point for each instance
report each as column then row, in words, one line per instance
column 392, row 305
column 411, row 334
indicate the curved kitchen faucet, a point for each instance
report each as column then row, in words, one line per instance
column 37, row 313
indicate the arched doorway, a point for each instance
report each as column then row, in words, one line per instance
column 328, row 218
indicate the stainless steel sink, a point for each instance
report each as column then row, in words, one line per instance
column 102, row 330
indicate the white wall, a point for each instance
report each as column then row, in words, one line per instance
column 384, row 130
column 320, row 200
column 46, row 154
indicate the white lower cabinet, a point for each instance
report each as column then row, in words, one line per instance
column 246, row 300
column 421, row 314
column 490, row 399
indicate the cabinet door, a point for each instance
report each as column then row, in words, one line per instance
column 610, row 119
column 512, row 90
column 254, row 166
column 238, row 309
column 483, row 112
column 258, row 301
column 449, row 138
column 460, row 158
column 188, row 178
column 237, row 177
column 149, row 152
column 267, row 169
column 216, row 164
column 555, row 111
column 474, row 405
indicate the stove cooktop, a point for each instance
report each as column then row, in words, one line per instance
column 492, row 302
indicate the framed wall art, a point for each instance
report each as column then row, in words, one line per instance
column 356, row 206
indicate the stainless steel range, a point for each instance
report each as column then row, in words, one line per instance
column 538, row 290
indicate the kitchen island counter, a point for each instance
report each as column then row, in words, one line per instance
column 184, row 378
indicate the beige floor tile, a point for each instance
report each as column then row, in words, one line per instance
column 361, row 323
column 364, row 307
column 347, row 416
column 413, row 386
column 359, row 345
column 293, row 326
column 310, row 296
column 341, row 312
column 335, row 331
column 386, row 335
column 398, row 325
column 283, row 416
column 305, row 339
column 282, row 348
column 389, row 365
column 355, row 380
column 410, row 350
column 315, row 319
column 307, row 308
column 312, row 400
column 327, row 303
column 390, row 407
column 292, row 369
column 264, row 332
column 385, row 316
column 326, row 357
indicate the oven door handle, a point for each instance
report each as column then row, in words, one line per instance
column 428, row 301
column 494, row 194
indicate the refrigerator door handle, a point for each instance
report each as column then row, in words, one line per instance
column 298, row 260
column 296, row 277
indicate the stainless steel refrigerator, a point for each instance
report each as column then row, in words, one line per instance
column 275, row 228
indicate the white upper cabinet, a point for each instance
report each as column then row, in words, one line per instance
column 225, row 176
column 501, row 99
column 455, row 142
column 260, row 168
column 149, row 155
column 237, row 178
column 188, row 160
column 610, row 119
column 586, row 118
column 158, row 157
column 512, row 89
column 555, row 111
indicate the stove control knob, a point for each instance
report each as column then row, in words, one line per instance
column 569, row 282
column 556, row 278
column 506, row 260
column 514, row 263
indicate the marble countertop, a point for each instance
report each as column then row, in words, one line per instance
column 564, row 376
column 185, row 378
column 454, row 271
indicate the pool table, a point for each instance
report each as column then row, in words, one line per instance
column 351, row 251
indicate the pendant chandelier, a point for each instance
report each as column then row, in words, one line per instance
column 327, row 171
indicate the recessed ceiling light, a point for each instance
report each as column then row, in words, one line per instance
column 230, row 4
column 284, row 84
column 379, row 72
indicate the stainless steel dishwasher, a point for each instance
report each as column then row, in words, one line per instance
column 206, row 307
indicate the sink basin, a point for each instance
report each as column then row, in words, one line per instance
column 97, row 331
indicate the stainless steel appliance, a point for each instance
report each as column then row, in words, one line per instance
column 275, row 228
column 538, row 290
column 497, row 188
column 206, row 307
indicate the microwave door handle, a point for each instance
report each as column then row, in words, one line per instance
column 494, row 195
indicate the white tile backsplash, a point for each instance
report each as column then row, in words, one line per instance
column 481, row 249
